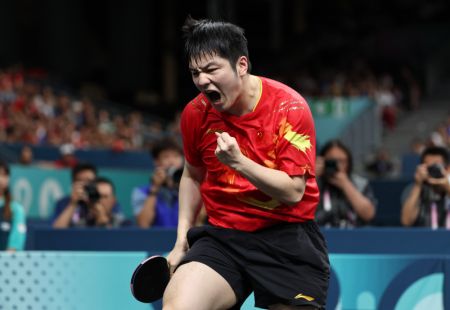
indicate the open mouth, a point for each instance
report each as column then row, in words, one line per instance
column 212, row 95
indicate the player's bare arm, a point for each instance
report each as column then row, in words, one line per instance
column 275, row 183
column 189, row 206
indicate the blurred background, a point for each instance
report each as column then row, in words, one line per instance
column 129, row 55
column 102, row 81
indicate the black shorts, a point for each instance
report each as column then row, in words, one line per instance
column 286, row 263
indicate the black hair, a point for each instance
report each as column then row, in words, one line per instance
column 7, row 212
column 164, row 145
column 83, row 167
column 99, row 180
column 339, row 144
column 208, row 37
column 437, row 151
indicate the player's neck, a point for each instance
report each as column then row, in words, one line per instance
column 251, row 93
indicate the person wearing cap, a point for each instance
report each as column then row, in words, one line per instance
column 68, row 158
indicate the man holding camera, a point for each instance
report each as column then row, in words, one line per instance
column 92, row 202
column 426, row 203
column 156, row 204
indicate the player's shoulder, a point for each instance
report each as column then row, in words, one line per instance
column 284, row 93
column 280, row 89
column 196, row 111
column 197, row 105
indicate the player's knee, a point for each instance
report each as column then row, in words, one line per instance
column 179, row 302
column 187, row 302
column 169, row 306
column 174, row 304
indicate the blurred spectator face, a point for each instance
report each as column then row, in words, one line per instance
column 84, row 177
column 80, row 179
column 107, row 197
column 26, row 155
column 169, row 159
column 430, row 160
column 337, row 154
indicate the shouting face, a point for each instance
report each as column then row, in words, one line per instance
column 219, row 81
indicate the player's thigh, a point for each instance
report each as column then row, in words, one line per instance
column 197, row 286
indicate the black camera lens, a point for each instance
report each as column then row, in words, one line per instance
column 435, row 171
column 175, row 174
column 91, row 192
column 331, row 167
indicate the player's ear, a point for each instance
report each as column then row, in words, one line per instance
column 242, row 66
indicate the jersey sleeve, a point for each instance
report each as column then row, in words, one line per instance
column 17, row 235
column 297, row 139
column 190, row 119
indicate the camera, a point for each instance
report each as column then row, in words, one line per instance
column 435, row 171
column 91, row 192
column 174, row 174
column 331, row 167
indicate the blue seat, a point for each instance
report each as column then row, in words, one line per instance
column 409, row 164
column 388, row 194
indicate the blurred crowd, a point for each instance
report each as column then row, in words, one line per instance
column 395, row 92
column 381, row 164
column 35, row 112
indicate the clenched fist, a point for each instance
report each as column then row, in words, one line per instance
column 227, row 150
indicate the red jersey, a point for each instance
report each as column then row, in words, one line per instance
column 279, row 133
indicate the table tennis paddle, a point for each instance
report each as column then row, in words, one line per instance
column 150, row 279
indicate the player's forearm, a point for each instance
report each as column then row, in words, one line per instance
column 189, row 203
column 361, row 204
column 63, row 220
column 363, row 207
column 275, row 183
column 410, row 208
column 146, row 217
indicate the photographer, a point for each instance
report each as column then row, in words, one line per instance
column 346, row 199
column 156, row 204
column 102, row 209
column 426, row 203
column 92, row 202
